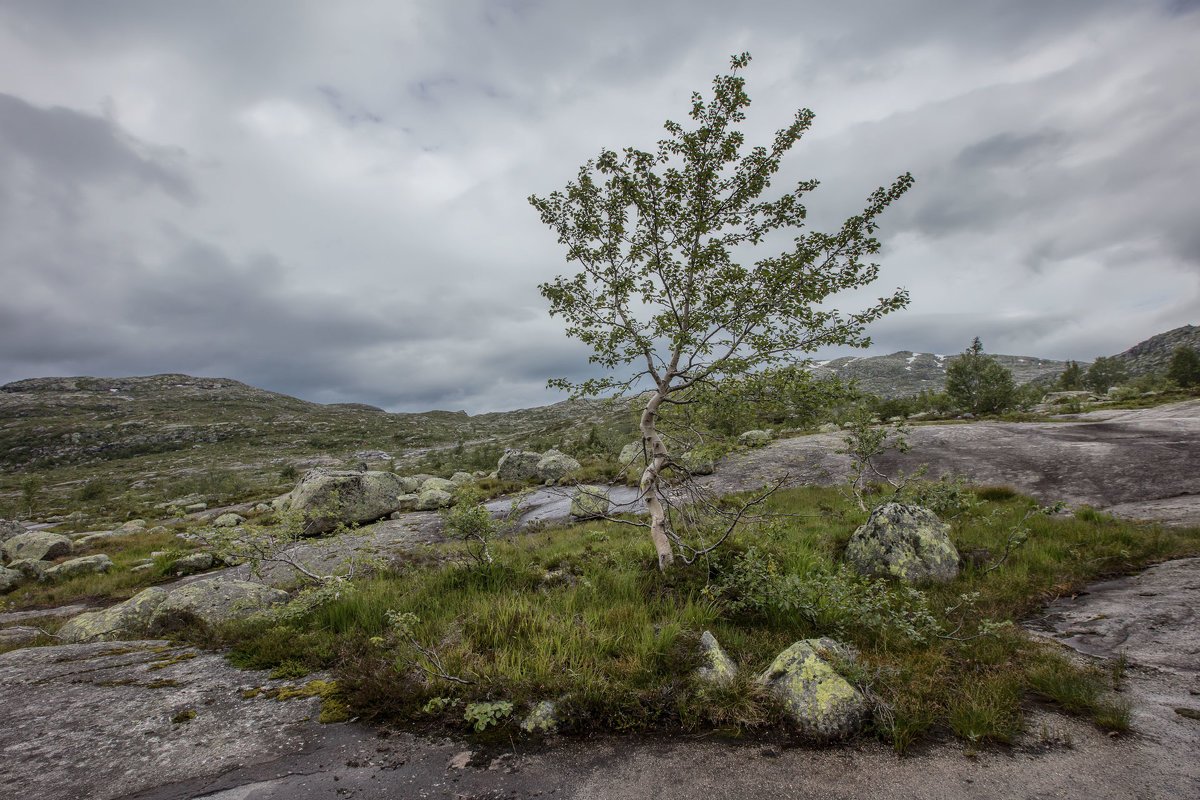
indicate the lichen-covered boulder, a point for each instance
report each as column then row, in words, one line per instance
column 632, row 456
column 84, row 565
column 828, row 427
column 715, row 667
column 518, row 465
column 462, row 478
column 697, row 464
column 193, row 563
column 329, row 498
column 589, row 502
column 433, row 499
column 90, row 539
column 822, row 704
column 10, row 528
column 405, row 502
column 229, row 520
column 133, row 526
column 128, row 620
column 37, row 545
column 10, row 579
column 754, row 439
column 211, row 602
column 905, row 542
column 438, row 484
column 554, row 466
column 31, row 568
column 542, row 719
column 411, row 484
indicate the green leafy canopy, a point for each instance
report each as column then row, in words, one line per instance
column 661, row 240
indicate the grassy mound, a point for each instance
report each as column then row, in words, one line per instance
column 580, row 616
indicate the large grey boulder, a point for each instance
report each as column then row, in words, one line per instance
column 820, row 702
column 518, row 465
column 328, row 498
column 37, row 545
column 462, row 478
column 211, row 602
column 84, row 565
column 10, row 528
column 127, row 620
column 589, row 502
column 905, row 542
column 554, row 466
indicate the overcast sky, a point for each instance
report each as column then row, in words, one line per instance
column 327, row 199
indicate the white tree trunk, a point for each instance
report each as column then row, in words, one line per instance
column 651, row 484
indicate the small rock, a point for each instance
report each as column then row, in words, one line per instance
column 31, row 568
column 438, row 484
column 432, row 499
column 717, row 667
column 10, row 579
column 229, row 520
column 83, row 565
column 828, row 427
column 542, row 719
column 92, row 538
column 133, row 526
column 462, row 478
column 193, row 563
column 696, row 464
column 589, row 502
column 754, row 439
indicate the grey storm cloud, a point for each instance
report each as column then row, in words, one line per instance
column 328, row 199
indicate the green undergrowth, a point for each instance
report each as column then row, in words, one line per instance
column 580, row 616
column 118, row 583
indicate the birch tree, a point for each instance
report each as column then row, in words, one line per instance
column 679, row 283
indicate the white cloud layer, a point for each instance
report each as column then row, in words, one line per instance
column 328, row 199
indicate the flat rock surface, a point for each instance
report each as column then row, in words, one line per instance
column 1122, row 459
column 95, row 720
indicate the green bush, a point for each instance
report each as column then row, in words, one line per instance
column 978, row 383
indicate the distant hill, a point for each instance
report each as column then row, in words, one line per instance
column 908, row 373
column 1154, row 354
column 83, row 420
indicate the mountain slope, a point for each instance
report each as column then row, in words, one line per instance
column 1154, row 354
column 908, row 373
